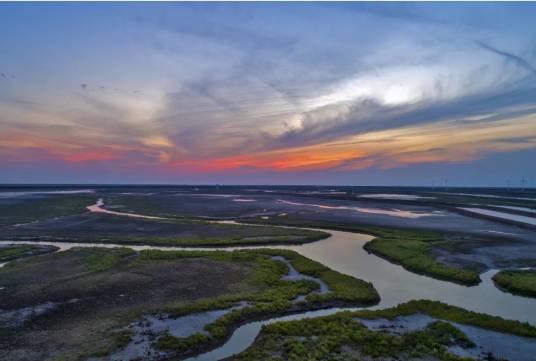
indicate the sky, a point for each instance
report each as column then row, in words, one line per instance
column 268, row 93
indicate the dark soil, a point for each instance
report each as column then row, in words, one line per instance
column 91, row 304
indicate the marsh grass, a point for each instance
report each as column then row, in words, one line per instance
column 101, row 259
column 274, row 296
column 413, row 250
column 342, row 337
column 452, row 313
column 12, row 252
column 519, row 282
column 44, row 207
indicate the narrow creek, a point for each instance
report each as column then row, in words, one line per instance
column 343, row 252
column 245, row 335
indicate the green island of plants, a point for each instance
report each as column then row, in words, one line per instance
column 446, row 312
column 410, row 249
column 518, row 282
column 102, row 259
column 342, row 337
column 276, row 297
column 273, row 236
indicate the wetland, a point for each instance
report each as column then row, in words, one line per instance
column 123, row 273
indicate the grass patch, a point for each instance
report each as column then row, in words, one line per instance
column 118, row 289
column 518, row 282
column 169, row 342
column 275, row 295
column 224, row 240
column 341, row 337
column 119, row 340
column 411, row 249
column 452, row 313
column 341, row 286
column 269, row 273
column 12, row 252
column 16, row 251
column 102, row 259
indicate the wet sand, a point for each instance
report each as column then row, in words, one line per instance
column 502, row 215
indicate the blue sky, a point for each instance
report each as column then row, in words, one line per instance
column 307, row 93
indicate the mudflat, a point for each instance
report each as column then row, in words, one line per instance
column 83, row 300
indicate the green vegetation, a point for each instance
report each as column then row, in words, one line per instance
column 9, row 253
column 518, row 282
column 116, row 290
column 169, row 342
column 446, row 333
column 264, row 278
column 452, row 313
column 15, row 251
column 118, row 339
column 413, row 250
column 268, row 295
column 342, row 337
column 275, row 297
column 101, row 259
column 120, row 286
column 104, row 228
column 341, row 286
column 270, row 237
column 47, row 207
column 123, row 338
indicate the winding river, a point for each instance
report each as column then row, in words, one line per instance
column 343, row 252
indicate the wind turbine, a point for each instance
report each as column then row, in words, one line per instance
column 523, row 183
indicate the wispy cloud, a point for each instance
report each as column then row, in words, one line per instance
column 511, row 57
column 281, row 87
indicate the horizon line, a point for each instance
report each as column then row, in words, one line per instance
column 257, row 185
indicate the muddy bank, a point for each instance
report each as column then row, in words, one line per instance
column 146, row 331
column 294, row 275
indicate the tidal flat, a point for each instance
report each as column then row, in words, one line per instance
column 181, row 272
column 85, row 302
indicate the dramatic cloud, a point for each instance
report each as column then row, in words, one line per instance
column 209, row 92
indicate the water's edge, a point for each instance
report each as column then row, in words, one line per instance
column 343, row 252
